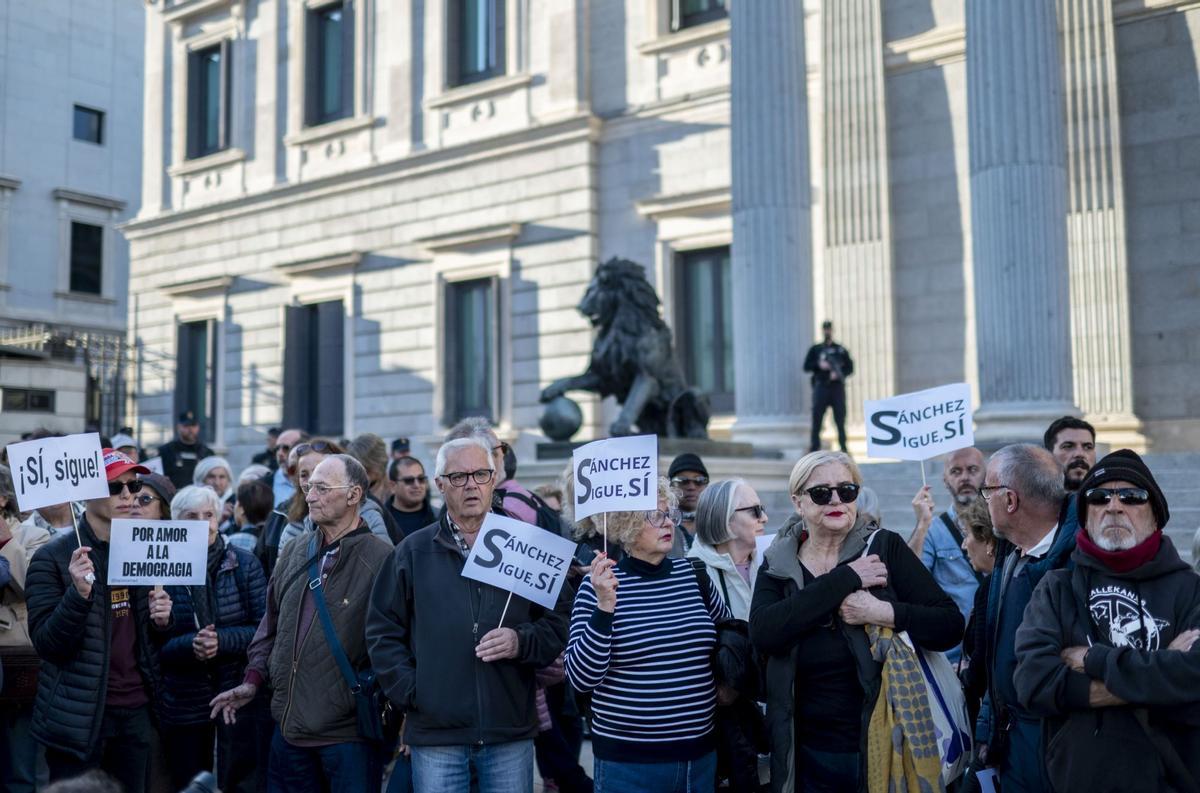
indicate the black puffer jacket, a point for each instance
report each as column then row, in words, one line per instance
column 72, row 635
column 234, row 601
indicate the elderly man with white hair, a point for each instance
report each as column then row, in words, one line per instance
column 464, row 681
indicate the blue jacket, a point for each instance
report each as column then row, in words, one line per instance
column 234, row 600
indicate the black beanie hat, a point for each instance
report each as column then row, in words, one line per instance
column 686, row 462
column 1127, row 466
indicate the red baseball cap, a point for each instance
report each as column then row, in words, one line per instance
column 117, row 463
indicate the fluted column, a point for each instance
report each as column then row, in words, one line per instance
column 857, row 265
column 1018, row 217
column 1096, row 223
column 772, row 246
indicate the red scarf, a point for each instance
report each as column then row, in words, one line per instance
column 1120, row 561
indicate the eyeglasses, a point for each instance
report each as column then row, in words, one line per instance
column 146, row 499
column 1129, row 496
column 320, row 447
column 115, row 488
column 502, row 447
column 659, row 517
column 322, row 488
column 987, row 491
column 412, row 480
column 459, row 478
column 758, row 509
column 681, row 481
column 823, row 494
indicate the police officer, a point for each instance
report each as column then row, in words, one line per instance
column 179, row 457
column 830, row 365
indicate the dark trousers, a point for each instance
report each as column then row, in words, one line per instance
column 351, row 767
column 827, row 772
column 557, row 749
column 189, row 750
column 244, row 749
column 18, row 750
column 122, row 750
column 825, row 396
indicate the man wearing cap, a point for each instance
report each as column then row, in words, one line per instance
column 688, row 478
column 1106, row 647
column 179, row 457
column 99, row 672
column 126, row 445
column 830, row 364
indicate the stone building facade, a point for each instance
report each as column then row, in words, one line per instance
column 378, row 215
column 70, row 173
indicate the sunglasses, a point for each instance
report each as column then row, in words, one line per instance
column 412, row 480
column 146, row 499
column 823, row 494
column 681, row 481
column 115, row 488
column 503, row 447
column 320, row 447
column 1129, row 496
column 758, row 509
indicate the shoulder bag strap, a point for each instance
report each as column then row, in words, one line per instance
column 957, row 536
column 724, row 586
column 315, row 586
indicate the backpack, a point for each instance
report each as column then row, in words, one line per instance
column 547, row 518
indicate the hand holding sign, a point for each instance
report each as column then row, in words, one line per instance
column 83, row 572
column 604, row 581
column 160, row 608
column 498, row 644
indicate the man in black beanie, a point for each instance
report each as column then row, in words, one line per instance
column 688, row 478
column 1106, row 649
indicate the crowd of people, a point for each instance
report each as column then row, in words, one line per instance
column 336, row 646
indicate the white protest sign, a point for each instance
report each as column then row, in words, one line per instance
column 154, row 464
column 920, row 425
column 520, row 558
column 54, row 470
column 150, row 552
column 616, row 475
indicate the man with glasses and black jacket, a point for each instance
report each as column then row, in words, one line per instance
column 99, row 671
column 464, row 680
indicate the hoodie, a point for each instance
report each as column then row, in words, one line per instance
column 1128, row 620
column 733, row 588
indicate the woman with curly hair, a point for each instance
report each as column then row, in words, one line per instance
column 642, row 633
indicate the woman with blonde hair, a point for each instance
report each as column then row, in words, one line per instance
column 820, row 590
column 642, row 634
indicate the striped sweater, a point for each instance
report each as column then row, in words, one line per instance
column 648, row 665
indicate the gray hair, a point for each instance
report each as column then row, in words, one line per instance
column 869, row 513
column 207, row 466
column 715, row 510
column 472, row 427
column 194, row 498
column 255, row 471
column 1032, row 472
column 464, row 442
column 356, row 474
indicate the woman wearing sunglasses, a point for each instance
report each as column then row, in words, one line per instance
column 729, row 519
column 818, row 587
column 642, row 633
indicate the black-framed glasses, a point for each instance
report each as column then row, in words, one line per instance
column 987, row 491
column 847, row 493
column 1129, row 496
column 759, row 510
column 115, row 488
column 145, row 499
column 320, row 447
column 459, row 478
column 660, row 517
column 413, row 480
column 502, row 447
column 683, row 481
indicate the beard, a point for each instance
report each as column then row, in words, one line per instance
column 1076, row 471
column 1115, row 537
column 965, row 495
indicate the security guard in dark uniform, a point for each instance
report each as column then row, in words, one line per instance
column 830, row 365
column 179, row 457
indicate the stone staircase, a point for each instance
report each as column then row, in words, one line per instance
column 895, row 483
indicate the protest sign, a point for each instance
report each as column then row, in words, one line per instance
column 55, row 470
column 920, row 425
column 154, row 464
column 520, row 558
column 616, row 475
column 152, row 552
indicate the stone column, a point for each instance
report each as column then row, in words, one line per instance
column 855, row 205
column 1096, row 223
column 1018, row 218
column 772, row 245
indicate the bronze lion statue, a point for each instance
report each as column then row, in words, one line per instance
column 633, row 358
